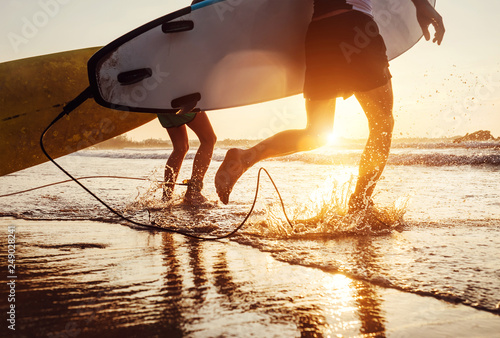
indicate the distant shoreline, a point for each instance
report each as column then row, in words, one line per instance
column 122, row 141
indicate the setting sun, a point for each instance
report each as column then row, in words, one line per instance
column 333, row 138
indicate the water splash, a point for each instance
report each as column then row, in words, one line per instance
column 324, row 214
column 149, row 197
column 174, row 213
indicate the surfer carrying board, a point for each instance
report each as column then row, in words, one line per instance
column 337, row 65
column 176, row 128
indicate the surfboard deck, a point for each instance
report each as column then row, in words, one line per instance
column 34, row 90
column 220, row 54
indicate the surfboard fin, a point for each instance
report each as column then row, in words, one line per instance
column 134, row 76
column 186, row 103
column 177, row 26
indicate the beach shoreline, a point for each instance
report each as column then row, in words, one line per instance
column 83, row 278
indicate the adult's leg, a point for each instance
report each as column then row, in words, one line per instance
column 203, row 129
column 179, row 138
column 377, row 104
column 320, row 116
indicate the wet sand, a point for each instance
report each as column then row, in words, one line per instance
column 91, row 279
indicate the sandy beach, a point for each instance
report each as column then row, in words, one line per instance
column 92, row 279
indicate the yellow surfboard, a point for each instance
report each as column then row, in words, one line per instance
column 33, row 92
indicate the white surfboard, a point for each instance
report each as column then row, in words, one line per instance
column 223, row 53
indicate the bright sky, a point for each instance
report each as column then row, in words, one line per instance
column 439, row 91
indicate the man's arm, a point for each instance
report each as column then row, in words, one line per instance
column 427, row 15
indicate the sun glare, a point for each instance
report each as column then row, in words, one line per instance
column 333, row 139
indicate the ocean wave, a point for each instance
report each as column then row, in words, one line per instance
column 449, row 145
column 431, row 160
column 433, row 156
column 122, row 154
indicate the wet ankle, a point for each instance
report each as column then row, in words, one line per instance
column 194, row 186
column 359, row 202
column 168, row 190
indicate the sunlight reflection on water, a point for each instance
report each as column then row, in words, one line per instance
column 93, row 279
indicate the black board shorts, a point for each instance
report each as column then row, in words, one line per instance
column 173, row 120
column 345, row 54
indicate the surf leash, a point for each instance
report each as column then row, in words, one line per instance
column 86, row 94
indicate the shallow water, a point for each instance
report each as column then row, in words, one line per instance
column 446, row 246
column 92, row 279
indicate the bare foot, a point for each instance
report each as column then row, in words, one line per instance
column 194, row 198
column 230, row 170
column 168, row 191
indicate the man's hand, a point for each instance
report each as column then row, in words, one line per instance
column 427, row 15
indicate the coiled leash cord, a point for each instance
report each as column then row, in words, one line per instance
column 86, row 94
